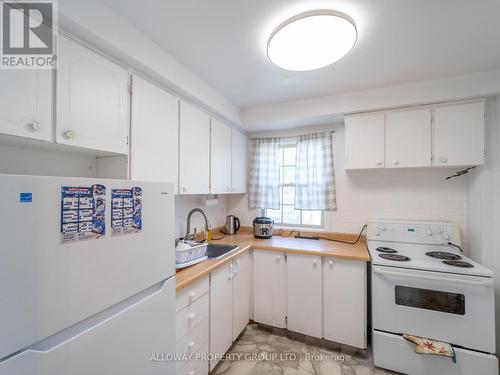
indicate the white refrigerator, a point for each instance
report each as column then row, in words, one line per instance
column 87, row 277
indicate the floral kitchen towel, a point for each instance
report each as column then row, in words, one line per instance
column 429, row 346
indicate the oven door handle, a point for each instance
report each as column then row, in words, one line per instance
column 485, row 283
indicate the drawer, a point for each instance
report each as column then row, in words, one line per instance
column 195, row 366
column 191, row 315
column 191, row 293
column 194, row 342
column 393, row 352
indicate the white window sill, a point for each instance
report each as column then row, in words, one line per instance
column 299, row 229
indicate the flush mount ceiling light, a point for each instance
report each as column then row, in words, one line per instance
column 312, row 40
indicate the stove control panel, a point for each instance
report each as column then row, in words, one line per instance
column 420, row 232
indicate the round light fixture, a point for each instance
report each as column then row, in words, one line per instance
column 312, row 40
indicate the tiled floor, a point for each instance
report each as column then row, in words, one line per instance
column 264, row 351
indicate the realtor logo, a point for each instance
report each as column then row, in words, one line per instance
column 28, row 34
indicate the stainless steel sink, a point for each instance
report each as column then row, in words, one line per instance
column 215, row 251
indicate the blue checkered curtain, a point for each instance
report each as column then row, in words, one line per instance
column 264, row 173
column 314, row 179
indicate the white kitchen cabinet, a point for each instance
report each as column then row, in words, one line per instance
column 154, row 131
column 239, row 167
column 344, row 294
column 26, row 103
column 241, row 293
column 194, row 150
column 364, row 141
column 303, row 274
column 269, row 288
column 220, row 157
column 221, row 310
column 92, row 100
column 408, row 138
column 458, row 134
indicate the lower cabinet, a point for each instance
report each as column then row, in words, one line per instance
column 269, row 288
column 303, row 275
column 344, row 306
column 192, row 323
column 241, row 293
column 229, row 304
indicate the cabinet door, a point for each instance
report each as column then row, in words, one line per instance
column 239, row 152
column 408, row 139
column 303, row 274
column 458, row 135
column 92, row 100
column 154, row 133
column 221, row 310
column 220, row 157
column 269, row 288
column 364, row 139
column 26, row 103
column 241, row 293
column 194, row 150
column 344, row 293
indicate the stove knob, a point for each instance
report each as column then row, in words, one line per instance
column 429, row 231
column 383, row 227
column 377, row 231
column 446, row 236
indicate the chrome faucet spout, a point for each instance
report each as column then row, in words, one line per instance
column 188, row 223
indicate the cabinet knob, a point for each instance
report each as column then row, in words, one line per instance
column 278, row 258
column 35, row 126
column 230, row 277
column 69, row 134
column 190, row 347
column 192, row 296
column 378, row 162
column 395, row 162
column 192, row 372
column 443, row 159
column 191, row 318
column 330, row 263
column 315, row 262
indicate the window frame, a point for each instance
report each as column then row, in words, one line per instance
column 281, row 224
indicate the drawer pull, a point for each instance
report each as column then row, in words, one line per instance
column 191, row 318
column 192, row 296
column 192, row 372
column 190, row 347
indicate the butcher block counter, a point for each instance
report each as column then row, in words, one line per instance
column 245, row 240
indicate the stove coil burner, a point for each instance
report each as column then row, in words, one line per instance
column 458, row 263
column 443, row 255
column 388, row 250
column 396, row 257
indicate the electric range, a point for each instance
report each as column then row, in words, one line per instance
column 422, row 284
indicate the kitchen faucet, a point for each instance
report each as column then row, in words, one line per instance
column 188, row 236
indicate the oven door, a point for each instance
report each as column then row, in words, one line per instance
column 452, row 308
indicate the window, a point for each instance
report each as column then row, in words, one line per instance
column 287, row 215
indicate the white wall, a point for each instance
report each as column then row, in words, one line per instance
column 484, row 205
column 216, row 213
column 421, row 194
column 16, row 159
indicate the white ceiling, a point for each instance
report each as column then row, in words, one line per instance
column 400, row 41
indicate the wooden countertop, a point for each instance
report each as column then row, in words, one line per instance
column 245, row 240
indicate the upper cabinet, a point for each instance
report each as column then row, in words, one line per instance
column 408, row 138
column 458, row 134
column 26, row 103
column 239, row 154
column 92, row 100
column 364, row 135
column 441, row 135
column 154, row 131
column 194, row 150
column 220, row 158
